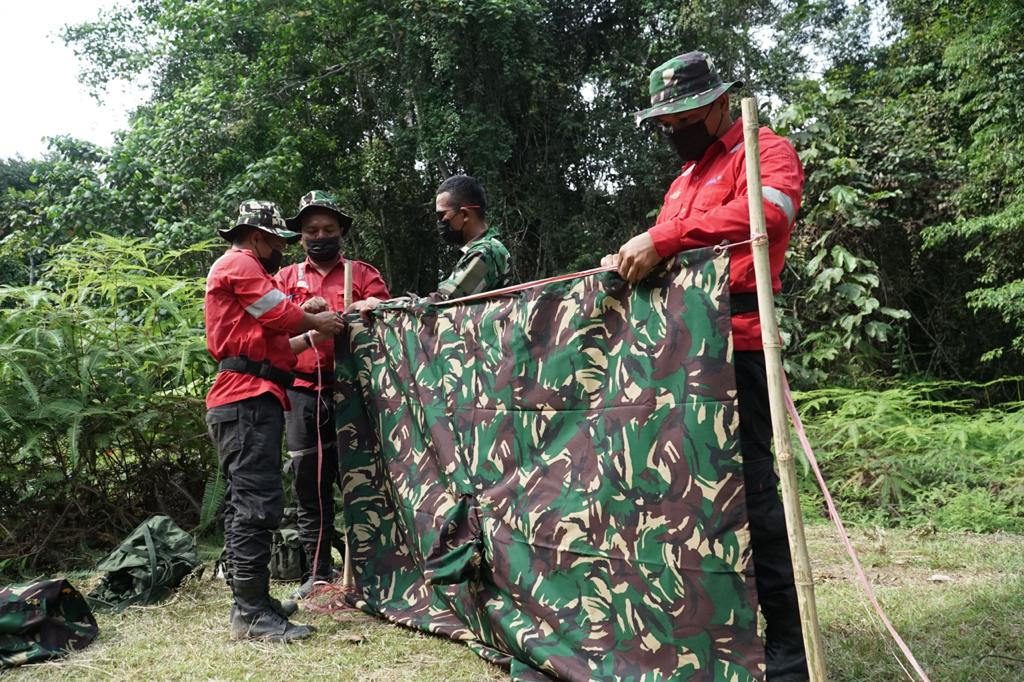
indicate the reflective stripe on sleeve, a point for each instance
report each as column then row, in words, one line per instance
column 782, row 200
column 265, row 303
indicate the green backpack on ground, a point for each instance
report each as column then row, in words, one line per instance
column 41, row 621
column 147, row 566
column 287, row 558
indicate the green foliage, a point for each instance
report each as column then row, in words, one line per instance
column 913, row 154
column 832, row 321
column 103, row 369
column 213, row 497
column 380, row 102
column 906, row 258
column 923, row 454
column 980, row 66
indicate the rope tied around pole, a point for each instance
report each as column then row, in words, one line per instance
column 755, row 240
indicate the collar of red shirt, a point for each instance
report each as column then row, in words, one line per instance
column 311, row 264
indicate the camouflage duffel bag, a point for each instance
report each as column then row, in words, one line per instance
column 41, row 621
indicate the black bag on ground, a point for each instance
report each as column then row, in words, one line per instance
column 41, row 621
column 147, row 566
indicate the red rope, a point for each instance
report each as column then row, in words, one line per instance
column 331, row 596
column 516, row 288
column 834, row 514
column 726, row 245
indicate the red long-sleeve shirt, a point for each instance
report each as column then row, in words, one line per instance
column 247, row 314
column 302, row 281
column 707, row 203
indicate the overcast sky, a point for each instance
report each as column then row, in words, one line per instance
column 38, row 79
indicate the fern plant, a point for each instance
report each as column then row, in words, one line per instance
column 103, row 369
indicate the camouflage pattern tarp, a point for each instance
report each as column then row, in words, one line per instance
column 41, row 621
column 554, row 477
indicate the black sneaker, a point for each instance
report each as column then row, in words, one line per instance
column 304, row 590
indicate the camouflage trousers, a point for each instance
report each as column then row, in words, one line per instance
column 247, row 434
column 773, row 568
column 301, row 434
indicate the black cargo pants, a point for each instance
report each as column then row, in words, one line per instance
column 301, row 424
column 247, row 434
column 773, row 567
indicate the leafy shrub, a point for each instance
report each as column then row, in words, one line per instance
column 920, row 454
column 103, row 369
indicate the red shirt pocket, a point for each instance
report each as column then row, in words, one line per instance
column 712, row 196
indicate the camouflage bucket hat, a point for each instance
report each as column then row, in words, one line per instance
column 320, row 199
column 263, row 215
column 686, row 82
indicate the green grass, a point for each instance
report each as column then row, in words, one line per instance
column 969, row 627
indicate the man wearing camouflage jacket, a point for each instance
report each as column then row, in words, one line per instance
column 461, row 206
column 485, row 264
column 707, row 204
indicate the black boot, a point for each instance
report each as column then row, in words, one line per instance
column 304, row 590
column 285, row 609
column 253, row 615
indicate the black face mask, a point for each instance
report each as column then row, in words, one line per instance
column 323, row 250
column 690, row 142
column 271, row 263
column 448, row 234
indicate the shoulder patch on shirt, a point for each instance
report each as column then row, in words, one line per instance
column 675, row 195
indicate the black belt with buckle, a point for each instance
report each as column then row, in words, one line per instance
column 263, row 370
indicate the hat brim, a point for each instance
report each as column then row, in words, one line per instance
column 287, row 235
column 686, row 103
column 295, row 222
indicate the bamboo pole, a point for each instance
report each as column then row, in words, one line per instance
column 780, row 426
column 347, row 578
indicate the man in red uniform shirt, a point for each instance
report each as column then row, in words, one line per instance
column 317, row 284
column 707, row 204
column 248, row 324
